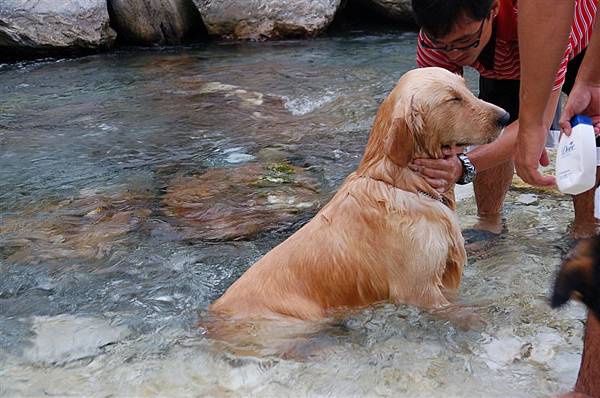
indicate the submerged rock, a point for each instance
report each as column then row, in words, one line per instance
column 237, row 203
column 84, row 227
column 39, row 26
column 527, row 199
column 155, row 22
column 266, row 19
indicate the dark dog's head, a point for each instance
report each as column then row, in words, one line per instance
column 579, row 276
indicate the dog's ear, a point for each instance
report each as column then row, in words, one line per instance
column 569, row 281
column 399, row 144
column 578, row 276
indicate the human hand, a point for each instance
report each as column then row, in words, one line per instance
column 584, row 99
column 531, row 154
column 440, row 173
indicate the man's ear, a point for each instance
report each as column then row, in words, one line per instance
column 399, row 144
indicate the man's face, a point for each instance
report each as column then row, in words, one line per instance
column 466, row 40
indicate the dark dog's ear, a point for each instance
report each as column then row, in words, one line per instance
column 570, row 279
column 579, row 276
column 399, row 144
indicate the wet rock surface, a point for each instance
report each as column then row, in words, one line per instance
column 46, row 26
column 266, row 19
column 155, row 22
column 398, row 10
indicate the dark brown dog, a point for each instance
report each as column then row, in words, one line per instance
column 579, row 277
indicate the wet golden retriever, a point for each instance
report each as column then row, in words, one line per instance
column 386, row 234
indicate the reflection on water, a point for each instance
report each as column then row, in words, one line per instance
column 114, row 170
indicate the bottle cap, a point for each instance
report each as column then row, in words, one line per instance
column 580, row 119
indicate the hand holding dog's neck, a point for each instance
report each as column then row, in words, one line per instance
column 398, row 176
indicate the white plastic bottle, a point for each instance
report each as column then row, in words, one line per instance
column 576, row 157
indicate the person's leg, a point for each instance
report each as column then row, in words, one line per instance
column 588, row 380
column 491, row 185
column 584, row 225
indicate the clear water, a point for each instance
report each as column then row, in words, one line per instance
column 102, row 283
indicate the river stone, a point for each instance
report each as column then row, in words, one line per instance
column 32, row 26
column 156, row 22
column 397, row 10
column 527, row 199
column 239, row 202
column 266, row 19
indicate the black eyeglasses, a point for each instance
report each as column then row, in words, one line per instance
column 449, row 48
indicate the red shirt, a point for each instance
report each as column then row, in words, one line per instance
column 506, row 46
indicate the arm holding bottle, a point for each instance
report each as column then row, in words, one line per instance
column 544, row 31
column 585, row 95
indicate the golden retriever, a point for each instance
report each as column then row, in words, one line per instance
column 386, row 234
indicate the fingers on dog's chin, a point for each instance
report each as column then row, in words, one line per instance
column 438, row 184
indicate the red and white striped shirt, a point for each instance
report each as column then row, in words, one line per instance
column 506, row 51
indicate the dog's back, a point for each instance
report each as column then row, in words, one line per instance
column 369, row 243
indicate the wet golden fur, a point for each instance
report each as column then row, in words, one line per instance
column 384, row 235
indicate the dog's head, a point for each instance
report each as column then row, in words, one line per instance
column 579, row 276
column 431, row 108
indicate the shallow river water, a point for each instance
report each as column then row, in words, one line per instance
column 130, row 185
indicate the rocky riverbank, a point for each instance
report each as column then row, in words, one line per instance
column 32, row 28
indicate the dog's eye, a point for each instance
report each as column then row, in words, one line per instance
column 455, row 99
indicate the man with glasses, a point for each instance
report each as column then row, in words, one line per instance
column 483, row 34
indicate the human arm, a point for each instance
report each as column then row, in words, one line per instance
column 585, row 95
column 543, row 36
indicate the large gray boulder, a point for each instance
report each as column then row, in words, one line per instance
column 397, row 10
column 266, row 19
column 156, row 22
column 46, row 25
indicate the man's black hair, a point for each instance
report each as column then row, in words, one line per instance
column 438, row 17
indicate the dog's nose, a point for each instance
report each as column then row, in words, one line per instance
column 503, row 120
